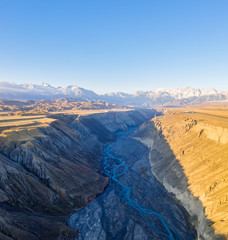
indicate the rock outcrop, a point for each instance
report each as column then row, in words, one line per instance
column 44, row 177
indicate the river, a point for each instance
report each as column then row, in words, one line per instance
column 135, row 205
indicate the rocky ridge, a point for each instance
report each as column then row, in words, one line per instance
column 47, row 176
column 53, row 105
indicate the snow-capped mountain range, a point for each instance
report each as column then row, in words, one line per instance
column 162, row 96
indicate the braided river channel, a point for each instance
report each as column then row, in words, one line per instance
column 135, row 206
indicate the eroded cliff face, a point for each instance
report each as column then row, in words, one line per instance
column 48, row 172
column 188, row 154
column 134, row 205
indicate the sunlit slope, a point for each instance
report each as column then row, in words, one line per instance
column 199, row 140
column 50, row 165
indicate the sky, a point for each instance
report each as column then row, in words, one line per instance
column 115, row 45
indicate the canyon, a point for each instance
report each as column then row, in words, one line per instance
column 172, row 162
column 134, row 205
column 50, row 165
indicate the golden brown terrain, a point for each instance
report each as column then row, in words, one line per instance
column 21, row 120
column 45, row 171
column 188, row 150
column 198, row 139
column 54, row 105
column 50, row 165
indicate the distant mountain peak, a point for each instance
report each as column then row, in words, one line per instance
column 160, row 96
column 44, row 84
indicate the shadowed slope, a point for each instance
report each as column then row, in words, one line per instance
column 189, row 163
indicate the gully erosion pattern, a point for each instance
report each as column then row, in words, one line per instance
column 125, row 210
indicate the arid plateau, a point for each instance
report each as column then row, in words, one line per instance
column 51, row 166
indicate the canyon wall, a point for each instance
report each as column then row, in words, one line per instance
column 47, row 173
column 188, row 154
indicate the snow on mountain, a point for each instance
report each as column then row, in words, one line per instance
column 42, row 91
column 161, row 96
column 187, row 92
column 75, row 91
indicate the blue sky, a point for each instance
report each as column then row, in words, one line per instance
column 115, row 45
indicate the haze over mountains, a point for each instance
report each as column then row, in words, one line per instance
column 162, row 96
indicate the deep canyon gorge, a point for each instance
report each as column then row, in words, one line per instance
column 110, row 175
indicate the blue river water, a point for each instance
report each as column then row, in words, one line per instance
column 118, row 172
column 119, row 169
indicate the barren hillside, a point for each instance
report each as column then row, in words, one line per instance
column 189, row 148
column 50, row 165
